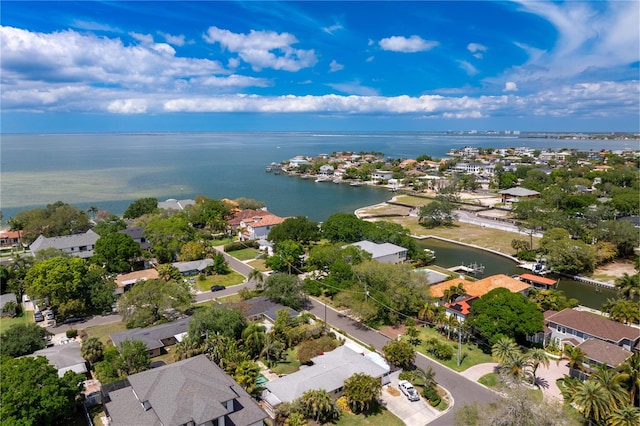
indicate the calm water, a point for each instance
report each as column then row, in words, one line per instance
column 449, row 255
column 111, row 170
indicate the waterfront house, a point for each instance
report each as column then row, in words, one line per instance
column 571, row 326
column 10, row 238
column 258, row 226
column 173, row 204
column 156, row 338
column 383, row 253
column 381, row 175
column 597, row 353
column 125, row 281
column 194, row 391
column 481, row 287
column 460, row 308
column 328, row 372
column 78, row 245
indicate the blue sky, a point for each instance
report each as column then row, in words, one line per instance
column 329, row 65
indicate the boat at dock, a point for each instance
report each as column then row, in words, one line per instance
column 323, row 179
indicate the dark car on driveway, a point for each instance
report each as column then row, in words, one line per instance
column 217, row 287
column 72, row 320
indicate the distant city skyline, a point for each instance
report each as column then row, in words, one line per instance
column 319, row 65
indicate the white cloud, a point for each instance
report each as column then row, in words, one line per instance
column 128, row 106
column 94, row 26
column 510, row 86
column 468, row 68
column 142, row 38
column 333, row 28
column 476, row 49
column 407, row 45
column 335, row 66
column 257, row 48
column 175, row 40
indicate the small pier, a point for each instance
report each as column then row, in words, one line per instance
column 472, row 268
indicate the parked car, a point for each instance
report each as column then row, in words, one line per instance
column 217, row 287
column 38, row 317
column 49, row 315
column 72, row 320
column 408, row 390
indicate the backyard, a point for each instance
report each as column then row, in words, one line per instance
column 7, row 322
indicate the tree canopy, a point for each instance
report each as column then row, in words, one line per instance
column 54, row 220
column 216, row 320
column 299, row 229
column 22, row 339
column 501, row 313
column 439, row 212
column 33, row 394
column 399, row 353
column 141, row 207
column 116, row 251
column 286, row 289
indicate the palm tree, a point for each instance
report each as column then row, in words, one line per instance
column 92, row 211
column 628, row 286
column 537, row 357
column 621, row 310
column 504, row 349
column 575, row 356
column 428, row 376
column 592, row 400
column 452, row 322
column 318, row 405
column 626, row 415
column 187, row 348
column 610, row 380
column 258, row 277
column 630, row 376
column 515, row 367
column 427, row 313
column 92, row 349
column 253, row 338
column 246, row 374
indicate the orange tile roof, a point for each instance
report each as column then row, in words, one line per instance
column 9, row 234
column 538, row 279
column 264, row 220
column 481, row 287
column 145, row 274
column 462, row 307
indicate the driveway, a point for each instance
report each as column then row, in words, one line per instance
column 416, row 413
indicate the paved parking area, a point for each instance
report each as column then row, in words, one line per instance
column 416, row 413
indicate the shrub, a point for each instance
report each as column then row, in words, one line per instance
column 406, row 375
column 528, row 255
column 241, row 245
column 72, row 333
column 432, row 395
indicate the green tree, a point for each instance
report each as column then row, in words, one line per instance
column 220, row 320
column 503, row 313
column 257, row 276
column 570, row 256
column 254, row 337
column 299, row 229
column 209, row 214
column 504, row 349
column 621, row 310
column 99, row 288
column 141, row 207
column 54, row 220
column 33, row 394
column 192, row 250
column 249, row 203
column 116, row 252
column 611, row 380
column 592, row 400
column 628, row 286
column 285, row 289
column 399, row 353
column 344, row 227
column 60, row 279
column 630, row 376
column 318, row 405
column 537, row 357
column 109, row 225
column 220, row 265
column 287, row 257
column 551, row 300
column 362, row 392
column 134, row 357
column 246, row 374
column 168, row 272
column 153, row 301
column 439, row 212
column 92, row 349
column 22, row 339
column 626, row 415
column 516, row 367
column 167, row 236
column 575, row 357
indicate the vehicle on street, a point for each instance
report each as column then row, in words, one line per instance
column 49, row 315
column 38, row 317
column 217, row 287
column 71, row 320
column 408, row 390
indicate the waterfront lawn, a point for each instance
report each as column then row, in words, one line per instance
column 103, row 331
column 245, row 254
column 232, row 278
column 471, row 354
column 412, row 200
column 8, row 322
column 382, row 417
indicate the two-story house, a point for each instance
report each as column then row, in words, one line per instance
column 78, row 245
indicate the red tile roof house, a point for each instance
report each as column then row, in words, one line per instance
column 259, row 225
column 460, row 308
column 10, row 238
column 602, row 340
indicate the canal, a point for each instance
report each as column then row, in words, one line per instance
column 451, row 254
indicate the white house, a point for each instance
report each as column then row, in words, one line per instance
column 78, row 245
column 381, row 175
column 258, row 226
column 383, row 253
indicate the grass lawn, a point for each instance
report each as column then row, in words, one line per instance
column 230, row 279
column 381, row 418
column 222, row 242
column 287, row 366
column 259, row 265
column 489, row 380
column 471, row 354
column 412, row 200
column 102, row 332
column 245, row 254
column 96, row 412
column 7, row 322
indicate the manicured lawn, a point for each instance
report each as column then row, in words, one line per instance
column 287, row 366
column 471, row 354
column 245, row 254
column 381, row 418
column 489, row 380
column 7, row 322
column 222, row 242
column 259, row 265
column 230, row 279
column 102, row 332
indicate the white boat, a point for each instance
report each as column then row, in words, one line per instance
column 323, row 179
column 357, row 183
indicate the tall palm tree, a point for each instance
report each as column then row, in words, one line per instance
column 503, row 349
column 452, row 322
column 537, row 357
column 628, row 286
column 428, row 376
column 610, row 380
column 575, row 357
column 427, row 313
column 626, row 415
column 592, row 400
column 630, row 376
column 515, row 367
column 258, row 277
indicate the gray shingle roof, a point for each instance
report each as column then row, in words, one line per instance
column 328, row 372
column 7, row 297
column 64, row 358
column 379, row 250
column 65, row 242
column 195, row 265
column 519, row 192
column 191, row 390
column 153, row 336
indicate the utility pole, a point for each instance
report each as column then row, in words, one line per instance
column 459, row 344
